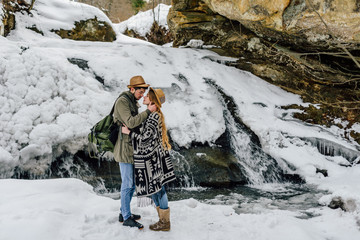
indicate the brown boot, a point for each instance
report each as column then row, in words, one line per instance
column 164, row 221
column 157, row 210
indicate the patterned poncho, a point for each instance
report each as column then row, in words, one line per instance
column 152, row 163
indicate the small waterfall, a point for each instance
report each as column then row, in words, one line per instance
column 185, row 179
column 66, row 165
column 259, row 167
column 102, row 174
column 70, row 166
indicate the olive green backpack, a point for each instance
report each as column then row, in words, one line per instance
column 103, row 135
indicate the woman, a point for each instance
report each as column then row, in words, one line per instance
column 152, row 163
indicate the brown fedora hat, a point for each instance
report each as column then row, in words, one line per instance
column 137, row 81
column 160, row 96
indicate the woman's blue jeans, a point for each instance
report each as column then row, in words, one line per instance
column 160, row 199
column 127, row 188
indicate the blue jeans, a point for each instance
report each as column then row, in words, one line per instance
column 160, row 199
column 127, row 188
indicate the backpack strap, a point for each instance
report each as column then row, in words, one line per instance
column 113, row 108
column 112, row 111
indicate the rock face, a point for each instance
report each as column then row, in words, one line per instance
column 297, row 19
column 301, row 22
column 308, row 47
column 206, row 166
column 200, row 166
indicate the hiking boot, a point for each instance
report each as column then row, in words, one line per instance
column 134, row 216
column 164, row 221
column 130, row 222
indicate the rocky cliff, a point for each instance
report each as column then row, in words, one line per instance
column 308, row 47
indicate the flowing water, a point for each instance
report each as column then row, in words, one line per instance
column 259, row 167
column 251, row 199
column 248, row 199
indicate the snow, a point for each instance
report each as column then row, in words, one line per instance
column 48, row 105
column 141, row 23
column 69, row 209
column 356, row 127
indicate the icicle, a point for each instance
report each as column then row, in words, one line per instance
column 329, row 148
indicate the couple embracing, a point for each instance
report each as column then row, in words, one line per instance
column 142, row 150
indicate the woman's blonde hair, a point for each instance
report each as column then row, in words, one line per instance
column 165, row 138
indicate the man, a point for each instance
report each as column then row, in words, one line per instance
column 126, row 112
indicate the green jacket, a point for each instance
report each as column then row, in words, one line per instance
column 126, row 111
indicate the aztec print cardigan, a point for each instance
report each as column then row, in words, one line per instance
column 152, row 163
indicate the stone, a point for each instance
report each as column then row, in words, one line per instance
column 83, row 64
column 336, row 202
column 348, row 205
column 324, row 172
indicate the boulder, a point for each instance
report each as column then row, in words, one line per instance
column 89, row 30
column 207, row 166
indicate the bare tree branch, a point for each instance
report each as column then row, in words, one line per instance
column 31, row 5
column 333, row 36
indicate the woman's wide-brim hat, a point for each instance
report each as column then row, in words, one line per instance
column 137, row 81
column 159, row 94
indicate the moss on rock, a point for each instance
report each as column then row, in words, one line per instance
column 89, row 30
